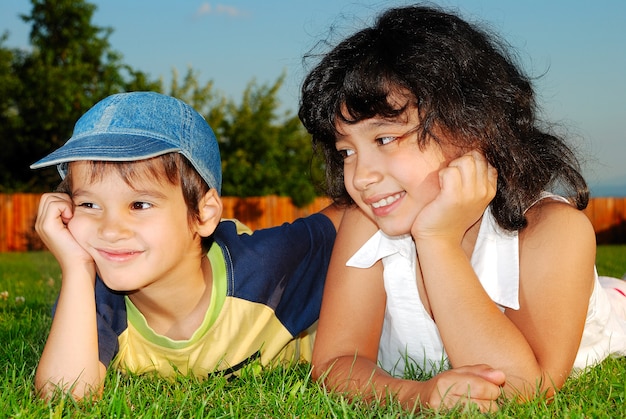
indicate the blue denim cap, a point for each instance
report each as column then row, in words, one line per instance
column 138, row 126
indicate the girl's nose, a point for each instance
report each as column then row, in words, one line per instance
column 366, row 173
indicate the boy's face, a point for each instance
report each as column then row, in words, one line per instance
column 136, row 235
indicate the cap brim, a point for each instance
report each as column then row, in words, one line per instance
column 107, row 147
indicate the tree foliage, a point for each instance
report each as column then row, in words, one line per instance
column 263, row 152
column 71, row 66
column 259, row 155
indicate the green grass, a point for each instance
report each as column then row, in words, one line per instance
column 611, row 260
column 32, row 281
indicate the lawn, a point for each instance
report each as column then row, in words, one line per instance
column 29, row 283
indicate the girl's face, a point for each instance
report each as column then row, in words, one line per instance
column 138, row 236
column 385, row 171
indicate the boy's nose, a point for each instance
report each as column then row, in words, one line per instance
column 113, row 227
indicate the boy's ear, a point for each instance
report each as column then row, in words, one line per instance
column 210, row 211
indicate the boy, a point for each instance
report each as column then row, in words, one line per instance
column 137, row 222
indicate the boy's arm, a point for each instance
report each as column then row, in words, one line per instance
column 70, row 357
column 335, row 213
column 69, row 361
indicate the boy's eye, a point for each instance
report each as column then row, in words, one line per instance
column 90, row 205
column 141, row 205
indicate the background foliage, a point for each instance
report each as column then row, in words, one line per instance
column 71, row 65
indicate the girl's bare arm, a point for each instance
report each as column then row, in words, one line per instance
column 346, row 345
column 536, row 345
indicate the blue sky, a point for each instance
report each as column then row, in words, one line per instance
column 577, row 47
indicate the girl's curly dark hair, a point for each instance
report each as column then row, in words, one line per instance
column 464, row 85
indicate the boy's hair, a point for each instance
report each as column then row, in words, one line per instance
column 464, row 86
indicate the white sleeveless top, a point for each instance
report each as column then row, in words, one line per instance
column 410, row 336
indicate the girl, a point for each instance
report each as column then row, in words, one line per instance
column 424, row 121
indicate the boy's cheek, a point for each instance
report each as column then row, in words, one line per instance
column 79, row 228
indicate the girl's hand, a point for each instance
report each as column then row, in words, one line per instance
column 55, row 212
column 467, row 185
column 478, row 385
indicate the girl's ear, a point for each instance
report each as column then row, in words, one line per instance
column 210, row 213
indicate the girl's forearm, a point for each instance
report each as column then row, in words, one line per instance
column 69, row 361
column 473, row 329
column 478, row 385
column 360, row 378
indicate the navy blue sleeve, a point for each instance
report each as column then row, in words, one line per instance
column 282, row 267
column 111, row 319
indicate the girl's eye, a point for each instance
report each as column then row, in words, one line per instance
column 141, row 205
column 386, row 140
column 345, row 153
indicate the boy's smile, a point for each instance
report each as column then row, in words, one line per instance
column 119, row 255
column 138, row 236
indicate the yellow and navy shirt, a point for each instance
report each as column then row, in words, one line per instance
column 265, row 302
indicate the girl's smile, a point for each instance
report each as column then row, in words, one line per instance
column 387, row 201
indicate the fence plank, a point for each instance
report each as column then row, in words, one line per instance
column 18, row 212
column 608, row 217
column 5, row 220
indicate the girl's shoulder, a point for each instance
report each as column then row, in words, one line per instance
column 553, row 220
column 549, row 206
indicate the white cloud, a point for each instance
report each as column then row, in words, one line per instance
column 219, row 9
column 204, row 9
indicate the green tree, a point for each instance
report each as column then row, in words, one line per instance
column 9, row 84
column 70, row 68
column 263, row 153
column 204, row 98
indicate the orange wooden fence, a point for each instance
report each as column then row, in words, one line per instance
column 608, row 217
column 18, row 213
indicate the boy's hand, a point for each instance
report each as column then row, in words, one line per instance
column 55, row 212
column 467, row 184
